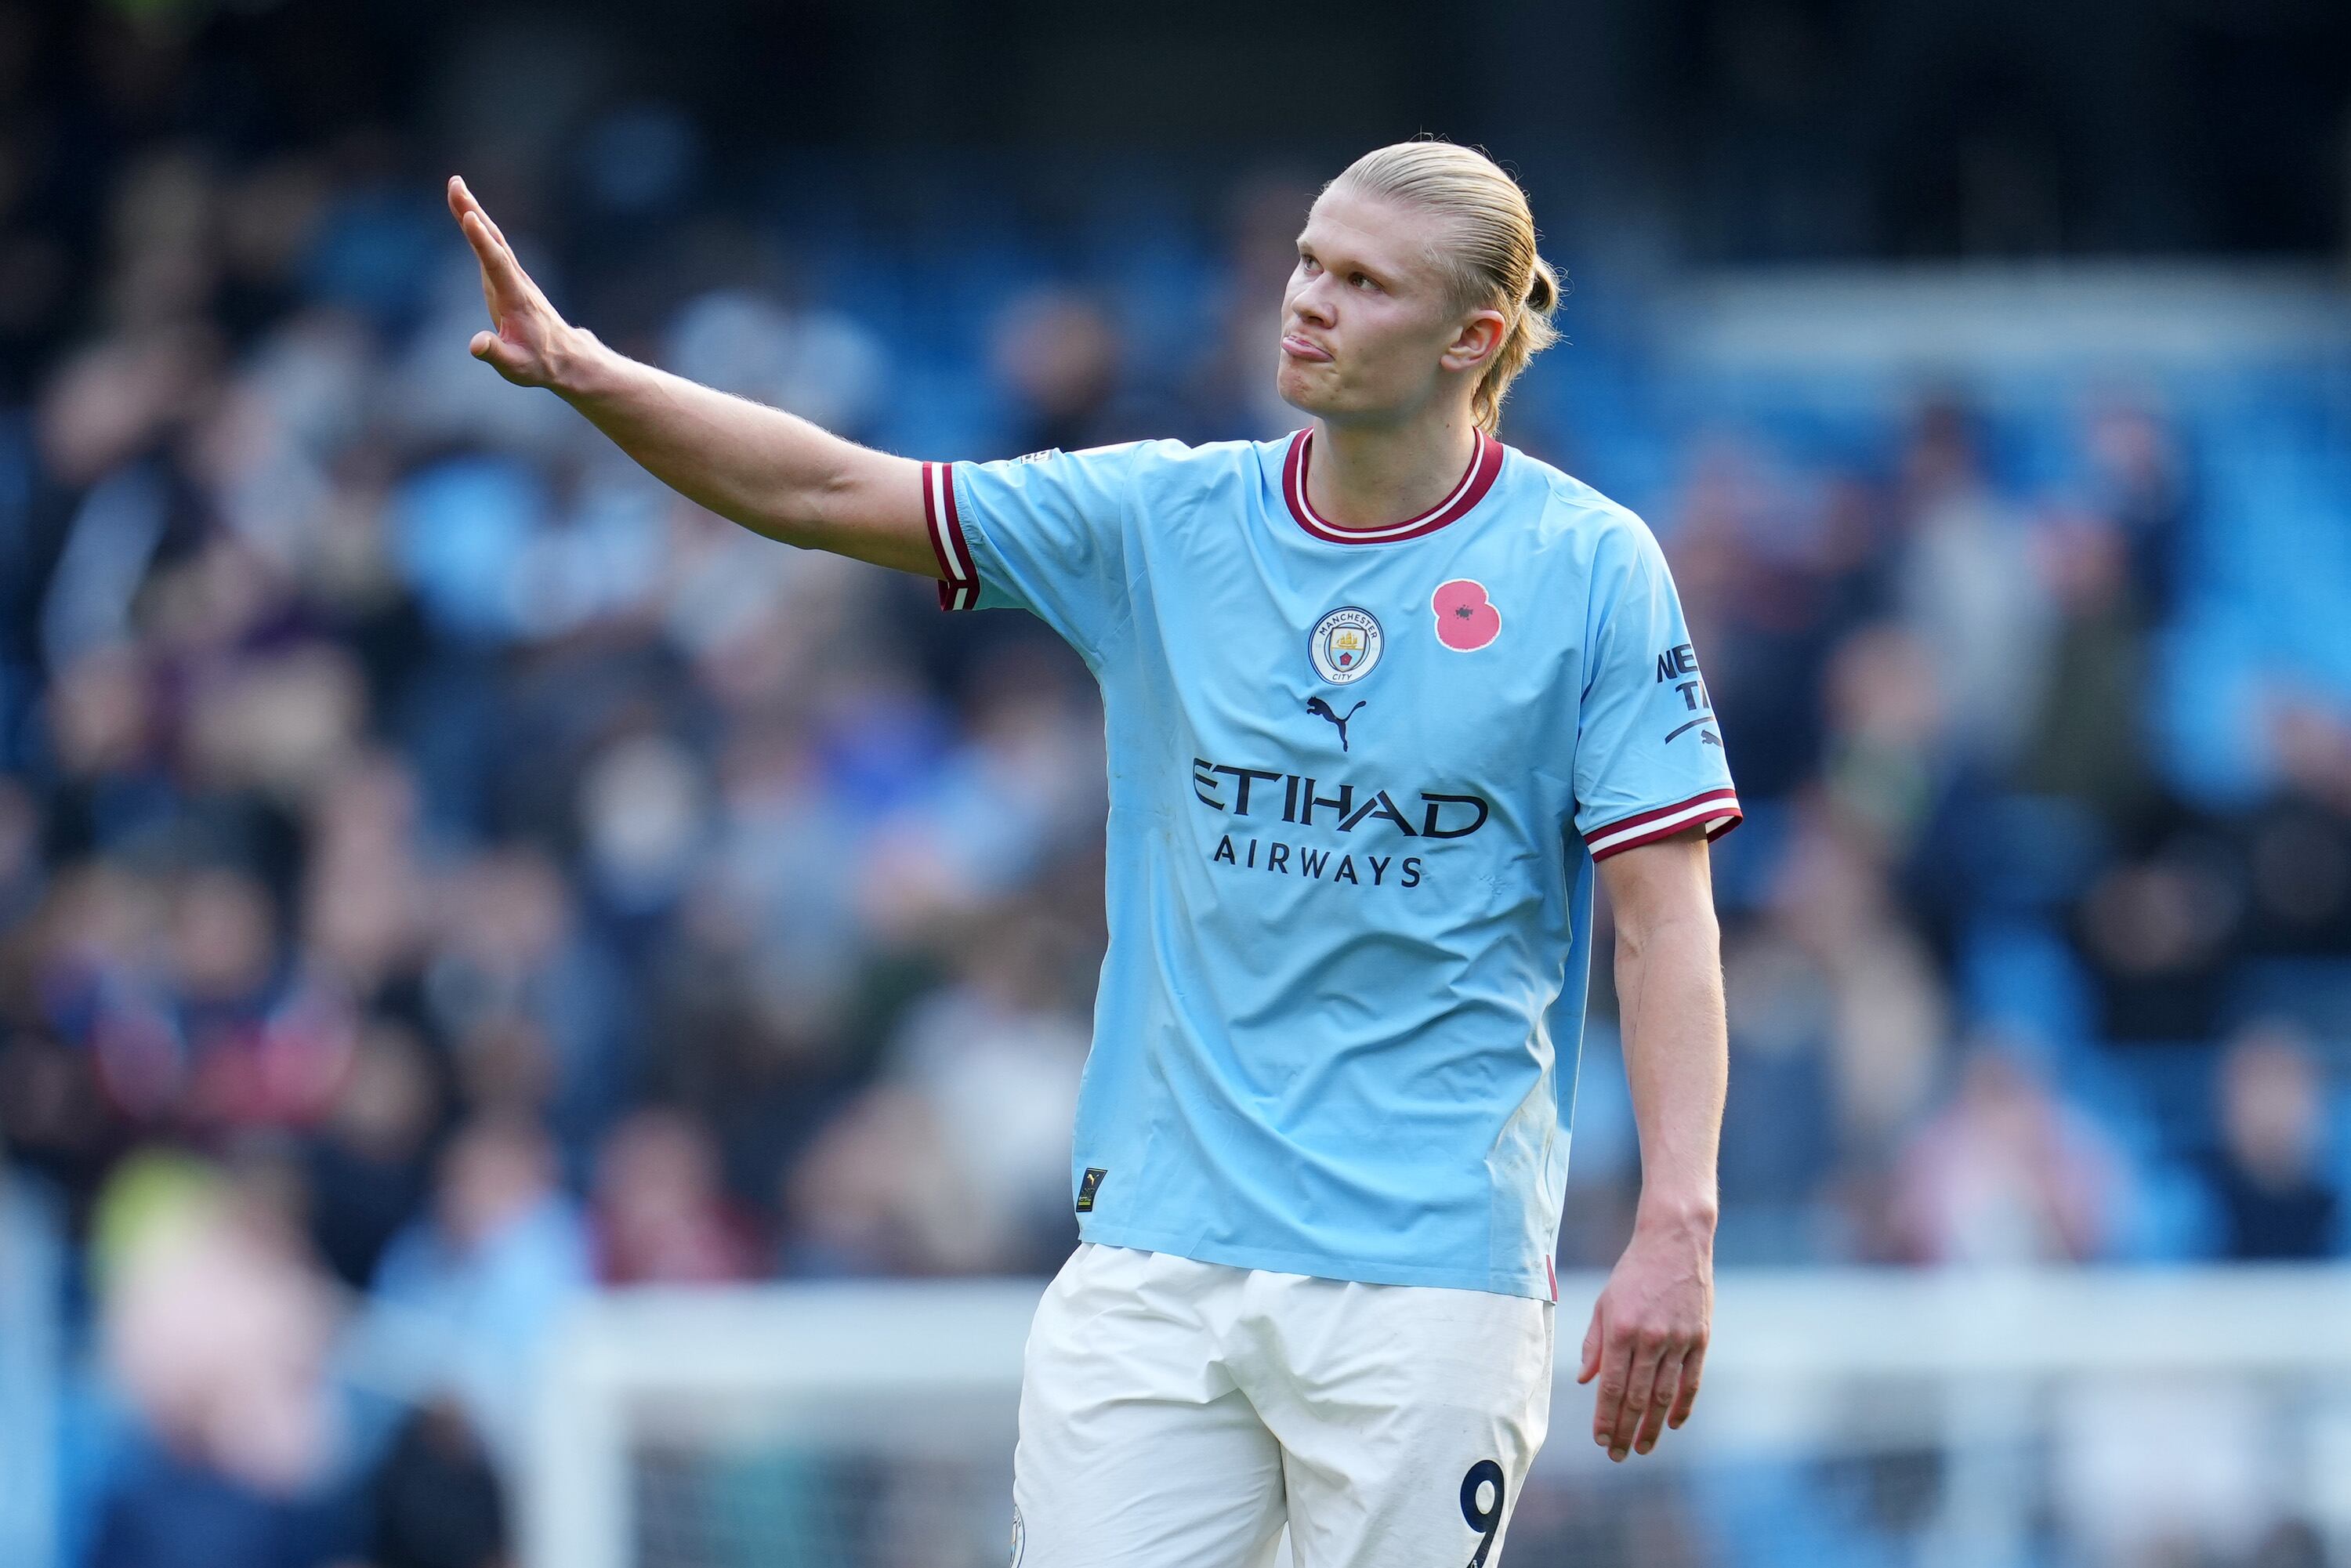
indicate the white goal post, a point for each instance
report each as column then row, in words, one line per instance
column 2028, row 1397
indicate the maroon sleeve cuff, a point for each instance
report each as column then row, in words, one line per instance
column 959, row 583
column 1716, row 810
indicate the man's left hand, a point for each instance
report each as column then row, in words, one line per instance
column 1647, row 1344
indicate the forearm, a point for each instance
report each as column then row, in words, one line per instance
column 772, row 472
column 1669, row 991
column 1649, row 1329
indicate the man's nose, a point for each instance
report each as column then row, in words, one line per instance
column 1313, row 304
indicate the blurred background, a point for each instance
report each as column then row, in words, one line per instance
column 447, row 880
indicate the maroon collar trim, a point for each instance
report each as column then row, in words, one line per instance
column 1484, row 464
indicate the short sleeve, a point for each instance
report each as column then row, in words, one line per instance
column 1649, row 762
column 1044, row 533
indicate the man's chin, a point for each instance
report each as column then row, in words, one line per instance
column 1303, row 392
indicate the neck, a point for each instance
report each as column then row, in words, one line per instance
column 1368, row 477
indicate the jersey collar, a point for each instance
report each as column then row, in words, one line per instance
column 1485, row 463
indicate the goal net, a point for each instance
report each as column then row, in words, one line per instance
column 2075, row 1419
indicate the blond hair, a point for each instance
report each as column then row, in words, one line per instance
column 1491, row 251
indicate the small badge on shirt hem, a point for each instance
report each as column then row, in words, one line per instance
column 1088, row 1187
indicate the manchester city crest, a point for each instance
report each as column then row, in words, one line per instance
column 1344, row 646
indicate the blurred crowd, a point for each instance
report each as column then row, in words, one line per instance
column 441, row 872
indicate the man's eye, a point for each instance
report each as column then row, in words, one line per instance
column 1360, row 281
column 1309, row 264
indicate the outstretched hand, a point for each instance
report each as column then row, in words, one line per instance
column 527, row 336
column 1647, row 1339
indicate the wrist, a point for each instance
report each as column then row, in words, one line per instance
column 578, row 364
column 1685, row 1216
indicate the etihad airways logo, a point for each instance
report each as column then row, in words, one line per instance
column 1420, row 814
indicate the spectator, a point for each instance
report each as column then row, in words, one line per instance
column 876, row 1193
column 1059, row 354
column 1888, row 762
column 435, row 1500
column 521, row 987
column 2005, row 1173
column 660, row 1216
column 2140, row 481
column 259, row 1052
column 216, row 1330
column 111, row 792
column 364, row 897
column 2157, row 933
column 1889, row 1010
column 996, row 1057
column 1780, row 1141
column 2086, row 738
column 1966, row 585
column 480, row 1279
column 2269, row 1174
column 368, row 1160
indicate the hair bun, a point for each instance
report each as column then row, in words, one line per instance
column 1542, row 288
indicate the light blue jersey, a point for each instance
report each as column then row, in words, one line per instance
column 1357, row 784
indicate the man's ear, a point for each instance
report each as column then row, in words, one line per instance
column 1479, row 339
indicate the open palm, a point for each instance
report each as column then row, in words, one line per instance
column 528, row 336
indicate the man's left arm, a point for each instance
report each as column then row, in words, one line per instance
column 1647, row 1344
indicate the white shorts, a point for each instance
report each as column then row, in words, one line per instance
column 1175, row 1415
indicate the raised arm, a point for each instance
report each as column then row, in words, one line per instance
column 1647, row 1339
column 770, row 471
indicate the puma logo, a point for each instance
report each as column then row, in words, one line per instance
column 1322, row 709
